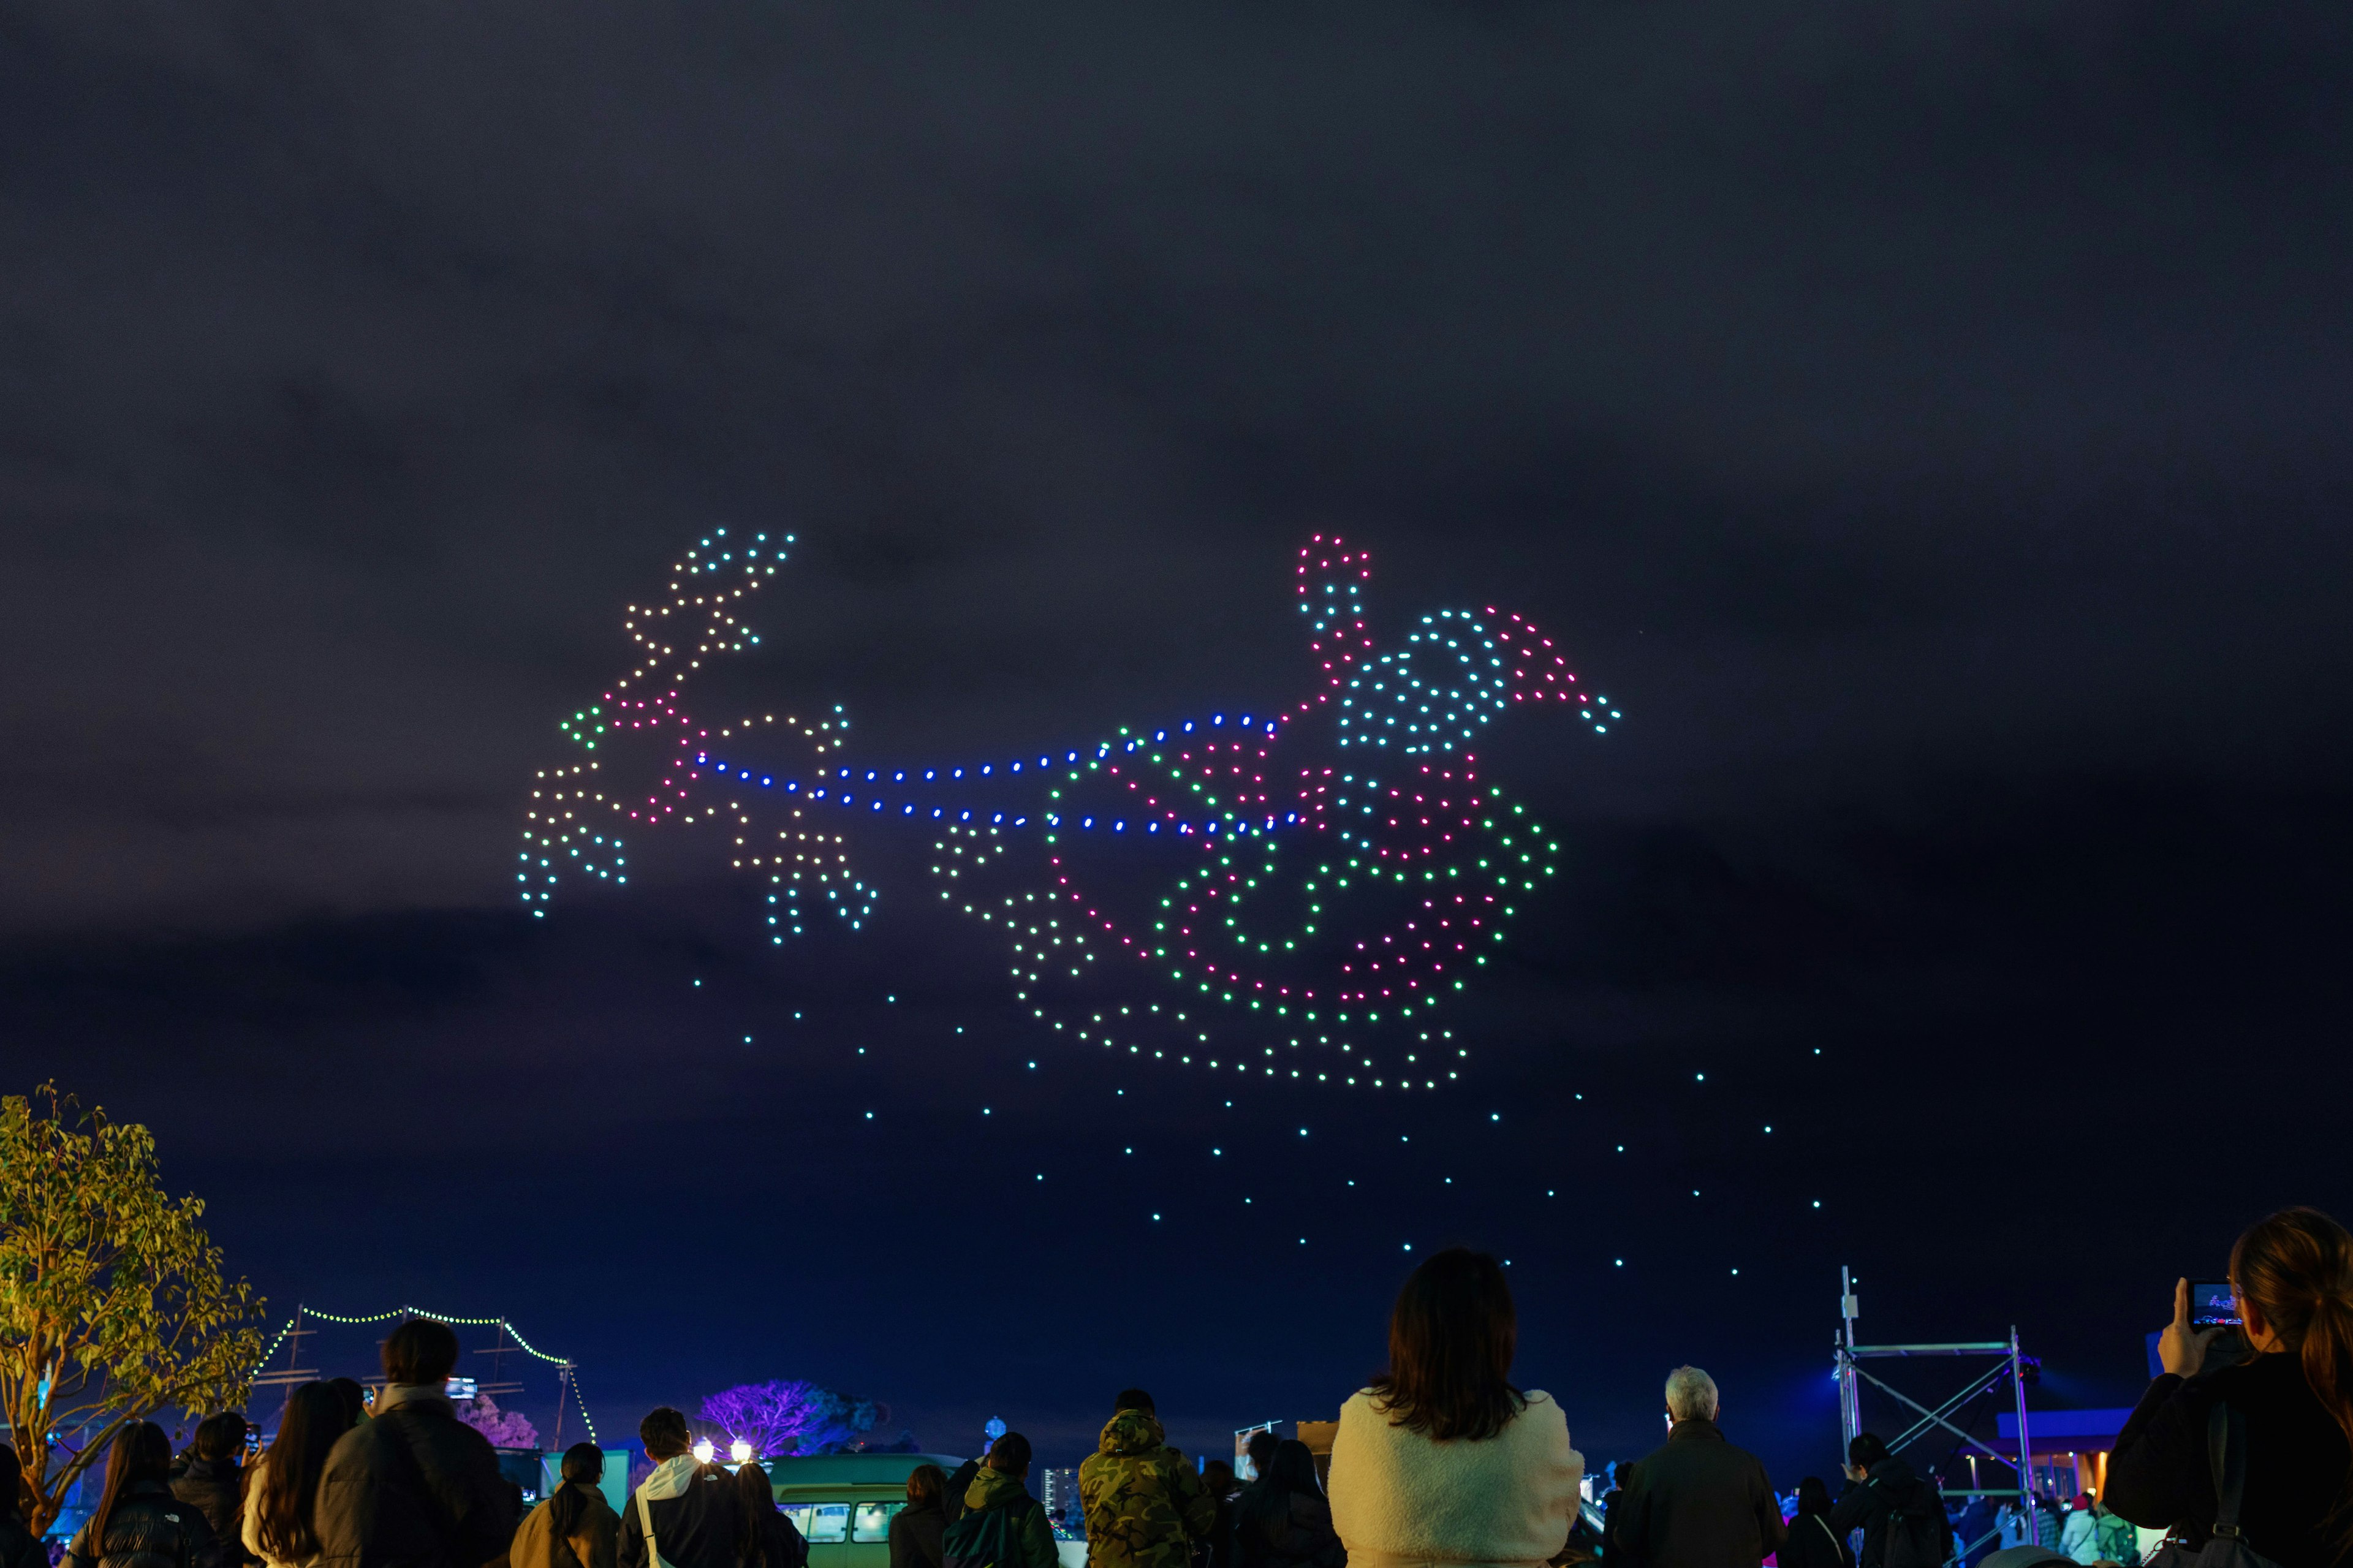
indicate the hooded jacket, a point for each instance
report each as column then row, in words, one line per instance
column 415, row 1487
column 1033, row 1537
column 697, row 1517
column 1143, row 1503
column 2080, row 1537
column 1873, row 1503
column 212, row 1487
column 19, row 1547
column 150, row 1528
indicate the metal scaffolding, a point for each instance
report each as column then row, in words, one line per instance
column 2011, row 1364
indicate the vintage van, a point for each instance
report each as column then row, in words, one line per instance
column 843, row 1503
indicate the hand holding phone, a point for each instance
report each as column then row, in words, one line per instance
column 2182, row 1348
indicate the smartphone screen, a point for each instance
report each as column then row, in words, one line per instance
column 2211, row 1306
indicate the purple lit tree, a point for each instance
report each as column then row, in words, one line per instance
column 504, row 1429
column 792, row 1418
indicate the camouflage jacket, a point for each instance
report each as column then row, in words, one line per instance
column 1145, row 1505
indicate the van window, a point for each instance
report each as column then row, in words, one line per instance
column 873, row 1520
column 820, row 1521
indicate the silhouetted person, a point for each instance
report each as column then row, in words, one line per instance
column 1899, row 1512
column 212, row 1481
column 1282, row 1521
column 1697, row 1501
column 1003, row 1526
column 574, row 1527
column 415, row 1487
column 916, row 1529
column 19, row 1547
column 769, row 1538
column 687, row 1512
column 138, row 1522
column 2287, row 1408
column 278, row 1527
column 1216, row 1550
column 1442, row 1460
column 1811, row 1543
column 1145, row 1505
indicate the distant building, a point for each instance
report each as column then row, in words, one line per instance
column 1060, row 1493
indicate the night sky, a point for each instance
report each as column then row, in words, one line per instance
column 1929, row 425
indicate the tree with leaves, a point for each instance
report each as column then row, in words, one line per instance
column 112, row 1307
column 504, row 1429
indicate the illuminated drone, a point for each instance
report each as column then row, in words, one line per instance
column 1295, row 894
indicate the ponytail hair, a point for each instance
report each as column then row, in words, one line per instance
column 2295, row 1268
column 584, row 1469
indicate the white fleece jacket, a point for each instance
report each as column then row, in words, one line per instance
column 1400, row 1499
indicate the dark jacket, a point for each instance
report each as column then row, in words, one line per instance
column 697, row 1515
column 415, row 1487
column 960, row 1482
column 915, row 1535
column 1610, row 1500
column 2296, row 1460
column 19, row 1547
column 1872, row 1503
column 150, row 1529
column 1810, row 1544
column 1697, row 1502
column 1216, row 1550
column 1284, row 1530
column 782, row 1544
column 212, row 1487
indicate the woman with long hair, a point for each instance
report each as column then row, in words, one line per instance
column 576, row 1527
column 2286, row 1410
column 281, row 1487
column 1812, row 1542
column 1441, row 1459
column 1280, row 1519
column 769, row 1538
column 915, row 1529
column 138, row 1522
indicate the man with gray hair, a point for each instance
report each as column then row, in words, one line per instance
column 1698, row 1501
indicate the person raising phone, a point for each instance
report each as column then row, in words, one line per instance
column 2292, row 1277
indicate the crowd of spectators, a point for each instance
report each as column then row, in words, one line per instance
column 1441, row 1462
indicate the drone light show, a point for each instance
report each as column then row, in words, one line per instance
column 1297, row 893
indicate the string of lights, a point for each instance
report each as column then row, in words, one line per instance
column 570, row 1371
column 1328, row 909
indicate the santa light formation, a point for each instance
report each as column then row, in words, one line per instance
column 1293, row 894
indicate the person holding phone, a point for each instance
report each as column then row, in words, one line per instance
column 2291, row 1279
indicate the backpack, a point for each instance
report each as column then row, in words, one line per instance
column 1918, row 1534
column 986, row 1536
column 2115, row 1539
column 2226, row 1455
